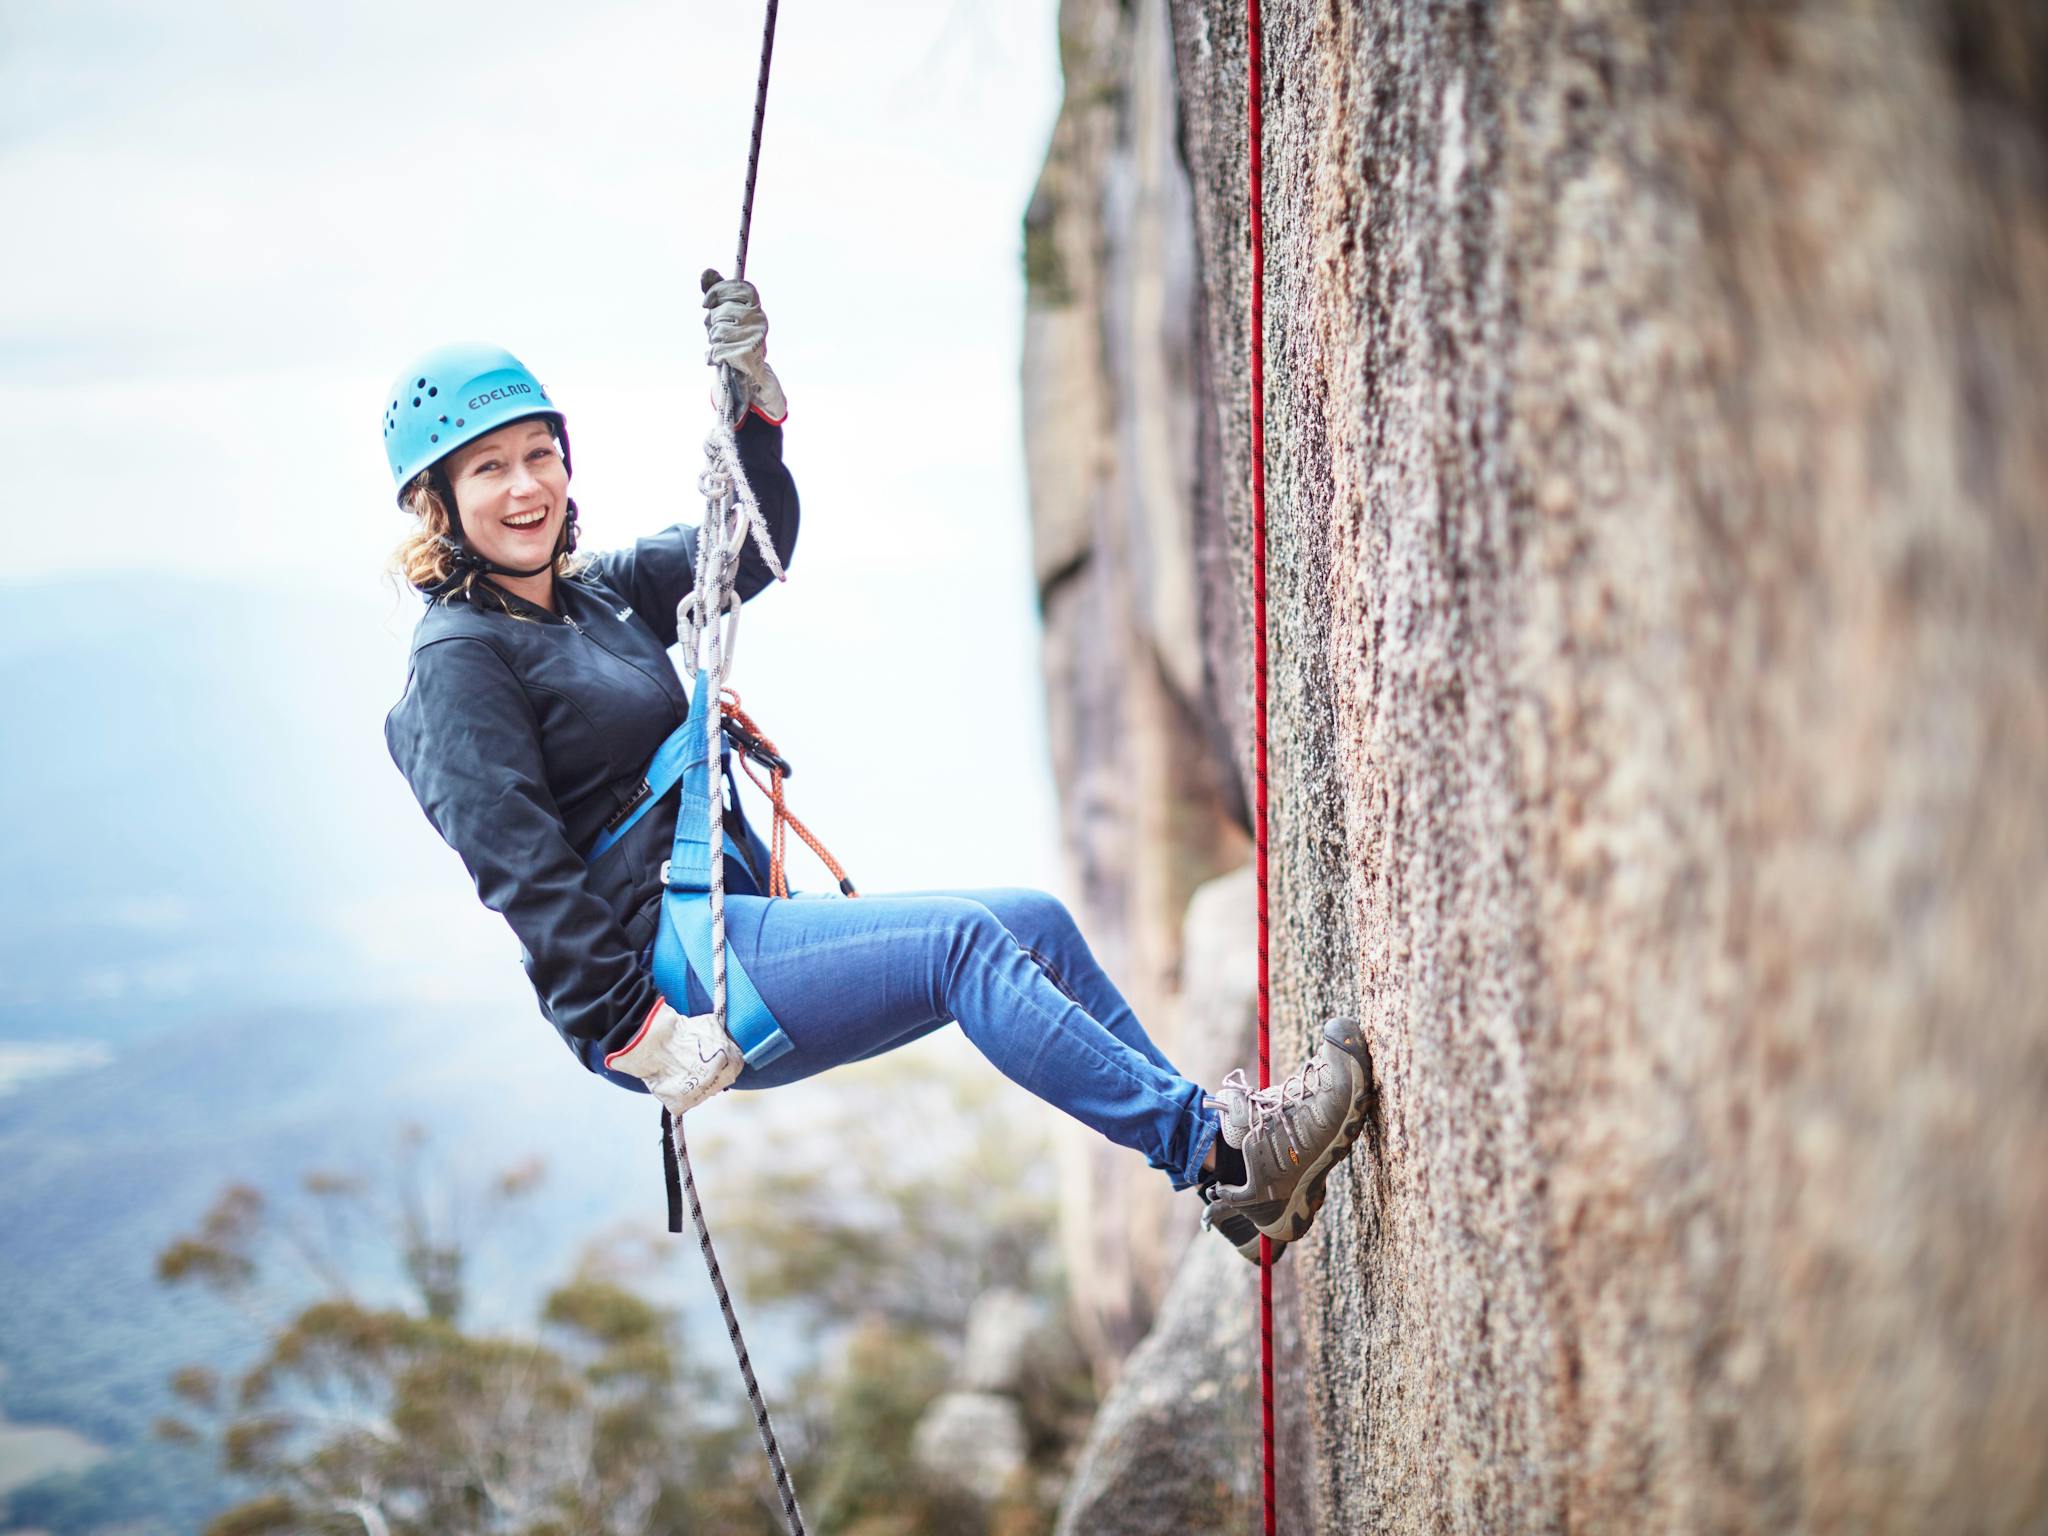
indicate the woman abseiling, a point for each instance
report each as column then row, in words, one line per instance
column 540, row 685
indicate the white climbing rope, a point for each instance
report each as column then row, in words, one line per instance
column 731, row 514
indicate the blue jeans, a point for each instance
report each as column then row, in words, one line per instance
column 850, row 978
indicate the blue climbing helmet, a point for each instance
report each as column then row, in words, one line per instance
column 454, row 395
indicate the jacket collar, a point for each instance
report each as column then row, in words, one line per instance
column 501, row 599
column 528, row 609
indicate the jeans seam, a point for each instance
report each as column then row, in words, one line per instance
column 1108, row 1061
column 1094, row 1051
column 1053, row 975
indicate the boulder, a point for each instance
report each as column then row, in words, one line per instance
column 1174, row 1447
column 971, row 1443
column 1149, row 802
column 1002, row 1329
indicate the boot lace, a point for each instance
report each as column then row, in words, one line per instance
column 1263, row 1104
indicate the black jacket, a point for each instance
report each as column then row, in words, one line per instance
column 522, row 736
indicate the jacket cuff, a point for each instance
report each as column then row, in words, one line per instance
column 773, row 421
column 638, row 1034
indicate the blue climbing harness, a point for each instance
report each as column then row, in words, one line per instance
column 682, row 943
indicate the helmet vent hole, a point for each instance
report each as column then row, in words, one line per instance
column 415, row 399
column 433, row 437
column 421, row 384
column 434, row 391
column 458, row 421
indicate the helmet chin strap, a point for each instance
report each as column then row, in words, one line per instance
column 466, row 560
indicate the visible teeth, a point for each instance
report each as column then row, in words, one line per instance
column 525, row 522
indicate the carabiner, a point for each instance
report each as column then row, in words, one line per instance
column 755, row 748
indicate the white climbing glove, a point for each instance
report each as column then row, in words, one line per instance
column 738, row 333
column 682, row 1058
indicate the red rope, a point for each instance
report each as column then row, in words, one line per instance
column 778, row 874
column 1253, row 47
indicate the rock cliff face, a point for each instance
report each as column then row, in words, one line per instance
column 1149, row 801
column 1658, row 451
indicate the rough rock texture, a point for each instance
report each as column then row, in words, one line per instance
column 1658, row 449
column 1219, row 997
column 1186, row 1402
column 1149, row 802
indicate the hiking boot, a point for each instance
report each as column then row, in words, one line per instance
column 1291, row 1135
column 1235, row 1227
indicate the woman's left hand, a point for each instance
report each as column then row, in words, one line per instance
column 738, row 332
column 682, row 1058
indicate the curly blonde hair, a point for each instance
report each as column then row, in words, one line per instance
column 424, row 560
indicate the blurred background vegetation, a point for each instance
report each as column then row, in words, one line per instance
column 361, row 1388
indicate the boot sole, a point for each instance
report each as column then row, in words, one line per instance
column 1247, row 1250
column 1310, row 1193
column 1250, row 1254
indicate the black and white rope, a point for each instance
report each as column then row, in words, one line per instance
column 754, row 144
column 731, row 514
column 792, row 1515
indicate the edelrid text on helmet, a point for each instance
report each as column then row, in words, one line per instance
column 480, row 401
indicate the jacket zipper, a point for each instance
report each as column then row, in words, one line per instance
column 591, row 636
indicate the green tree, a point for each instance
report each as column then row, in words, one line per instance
column 395, row 1419
column 393, row 1416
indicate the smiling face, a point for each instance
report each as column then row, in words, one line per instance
column 512, row 493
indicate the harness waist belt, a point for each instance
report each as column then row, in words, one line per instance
column 682, row 943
